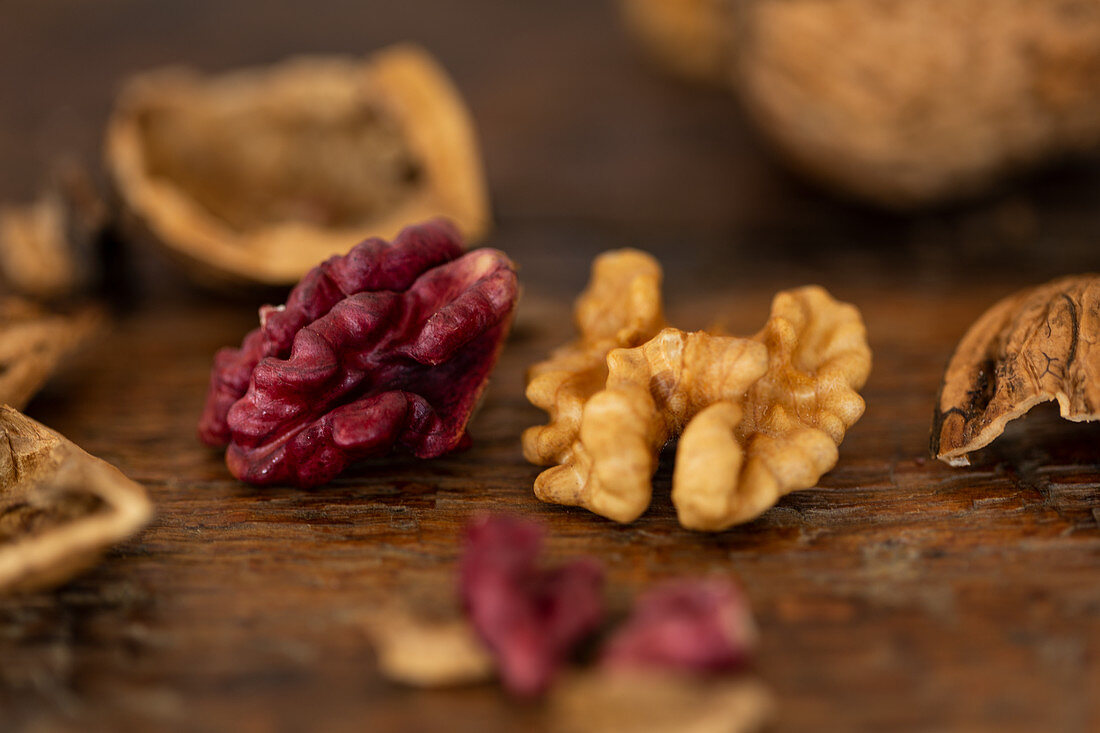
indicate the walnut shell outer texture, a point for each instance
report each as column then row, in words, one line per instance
column 1033, row 346
column 401, row 86
column 905, row 103
column 898, row 103
column 60, row 508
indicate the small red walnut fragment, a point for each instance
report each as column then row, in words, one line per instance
column 60, row 508
column 1033, row 346
column 34, row 342
column 701, row 626
column 389, row 345
column 530, row 617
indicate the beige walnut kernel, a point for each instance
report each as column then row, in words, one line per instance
column 734, row 462
column 621, row 307
column 652, row 392
column 1033, row 346
column 758, row 418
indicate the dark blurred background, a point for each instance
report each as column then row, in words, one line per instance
column 586, row 144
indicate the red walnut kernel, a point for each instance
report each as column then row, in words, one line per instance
column 685, row 625
column 531, row 618
column 391, row 344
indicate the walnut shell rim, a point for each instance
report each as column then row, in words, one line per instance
column 36, row 465
column 404, row 80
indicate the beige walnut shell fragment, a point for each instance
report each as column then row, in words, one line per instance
column 692, row 38
column 648, row 702
column 34, row 343
column 621, row 307
column 258, row 175
column 35, row 256
column 1033, row 346
column 759, row 417
column 425, row 650
column 60, row 508
column 47, row 247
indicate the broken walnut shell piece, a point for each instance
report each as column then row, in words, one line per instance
column 1033, row 346
column 35, row 342
column 49, row 247
column 426, row 650
column 257, row 175
column 60, row 508
column 691, row 38
column 659, row 702
column 620, row 308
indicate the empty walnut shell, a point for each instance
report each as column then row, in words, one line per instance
column 258, row 175
column 34, row 343
column 1034, row 346
column 60, row 508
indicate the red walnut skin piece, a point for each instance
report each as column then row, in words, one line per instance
column 531, row 618
column 700, row 626
column 371, row 265
column 379, row 369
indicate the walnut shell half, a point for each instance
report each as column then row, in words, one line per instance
column 258, row 175
column 1031, row 347
column 60, row 508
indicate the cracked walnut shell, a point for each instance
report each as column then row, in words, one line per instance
column 60, row 508
column 759, row 417
column 35, row 342
column 1033, row 346
column 257, row 175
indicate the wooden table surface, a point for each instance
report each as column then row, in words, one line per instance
column 899, row 594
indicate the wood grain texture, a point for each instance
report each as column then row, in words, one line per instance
column 898, row 594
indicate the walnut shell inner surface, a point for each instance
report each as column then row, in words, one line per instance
column 60, row 507
column 257, row 175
